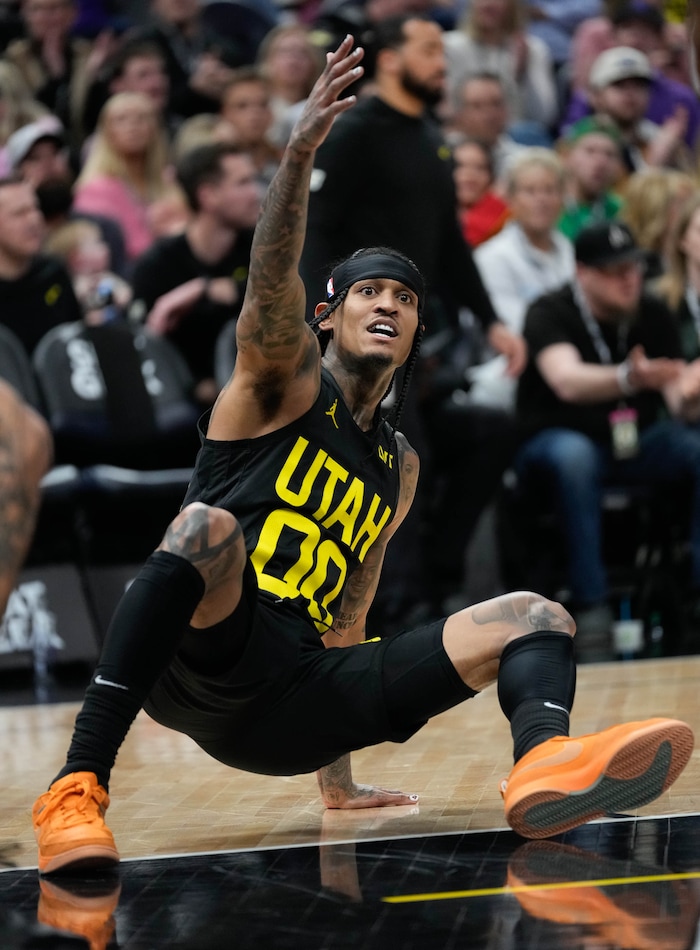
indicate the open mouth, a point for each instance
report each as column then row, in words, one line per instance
column 383, row 329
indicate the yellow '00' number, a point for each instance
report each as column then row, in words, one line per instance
column 310, row 575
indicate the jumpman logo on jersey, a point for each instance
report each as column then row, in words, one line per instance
column 331, row 412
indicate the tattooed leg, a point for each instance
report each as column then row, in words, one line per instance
column 25, row 455
column 212, row 541
column 475, row 637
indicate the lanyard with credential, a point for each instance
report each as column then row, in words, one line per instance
column 623, row 420
column 594, row 331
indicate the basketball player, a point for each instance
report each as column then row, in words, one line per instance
column 232, row 631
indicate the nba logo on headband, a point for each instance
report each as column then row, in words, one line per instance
column 329, row 287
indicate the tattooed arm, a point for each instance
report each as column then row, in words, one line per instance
column 338, row 790
column 277, row 373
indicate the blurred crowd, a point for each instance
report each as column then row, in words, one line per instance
column 538, row 159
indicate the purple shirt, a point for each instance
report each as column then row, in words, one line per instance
column 666, row 94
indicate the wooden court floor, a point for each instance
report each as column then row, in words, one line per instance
column 169, row 798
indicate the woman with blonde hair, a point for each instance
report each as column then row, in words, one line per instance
column 652, row 200
column 679, row 286
column 79, row 244
column 126, row 175
column 528, row 258
column 291, row 63
column 491, row 38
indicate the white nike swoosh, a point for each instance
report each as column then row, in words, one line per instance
column 554, row 706
column 103, row 682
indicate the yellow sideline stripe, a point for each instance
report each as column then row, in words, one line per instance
column 563, row 885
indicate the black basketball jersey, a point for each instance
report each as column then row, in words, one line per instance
column 311, row 499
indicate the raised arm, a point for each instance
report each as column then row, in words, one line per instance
column 278, row 361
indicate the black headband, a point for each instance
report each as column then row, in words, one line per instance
column 375, row 265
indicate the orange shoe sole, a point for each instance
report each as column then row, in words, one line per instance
column 88, row 856
column 636, row 772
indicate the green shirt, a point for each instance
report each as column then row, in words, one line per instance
column 577, row 216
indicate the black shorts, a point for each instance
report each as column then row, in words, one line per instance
column 281, row 703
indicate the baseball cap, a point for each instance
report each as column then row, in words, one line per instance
column 607, row 242
column 620, row 62
column 593, row 125
column 23, row 140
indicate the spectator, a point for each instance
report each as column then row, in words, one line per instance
column 245, row 108
column 554, row 22
column 527, row 259
column 679, row 286
column 635, row 23
column 57, row 67
column 644, row 26
column 653, row 199
column 17, row 108
column 36, row 293
column 383, row 176
column 135, row 66
column 605, row 368
column 189, row 285
column 126, row 174
column 291, row 63
column 38, row 151
column 481, row 211
column 480, row 111
column 591, row 150
column 198, row 60
column 620, row 87
column 101, row 293
column 38, row 154
column 492, row 38
column 666, row 95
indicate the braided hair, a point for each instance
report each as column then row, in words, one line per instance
column 347, row 272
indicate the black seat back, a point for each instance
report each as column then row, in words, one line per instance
column 116, row 395
column 16, row 367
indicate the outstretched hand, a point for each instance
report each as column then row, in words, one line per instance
column 338, row 790
column 366, row 796
column 323, row 104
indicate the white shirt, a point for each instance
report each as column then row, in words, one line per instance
column 515, row 273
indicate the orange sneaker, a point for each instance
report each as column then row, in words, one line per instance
column 565, row 782
column 69, row 825
column 619, row 903
column 83, row 908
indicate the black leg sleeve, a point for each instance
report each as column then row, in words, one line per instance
column 146, row 630
column 536, row 686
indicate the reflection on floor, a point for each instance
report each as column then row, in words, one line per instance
column 623, row 883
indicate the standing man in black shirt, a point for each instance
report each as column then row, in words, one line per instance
column 594, row 403
column 36, row 293
column 188, row 286
column 231, row 630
